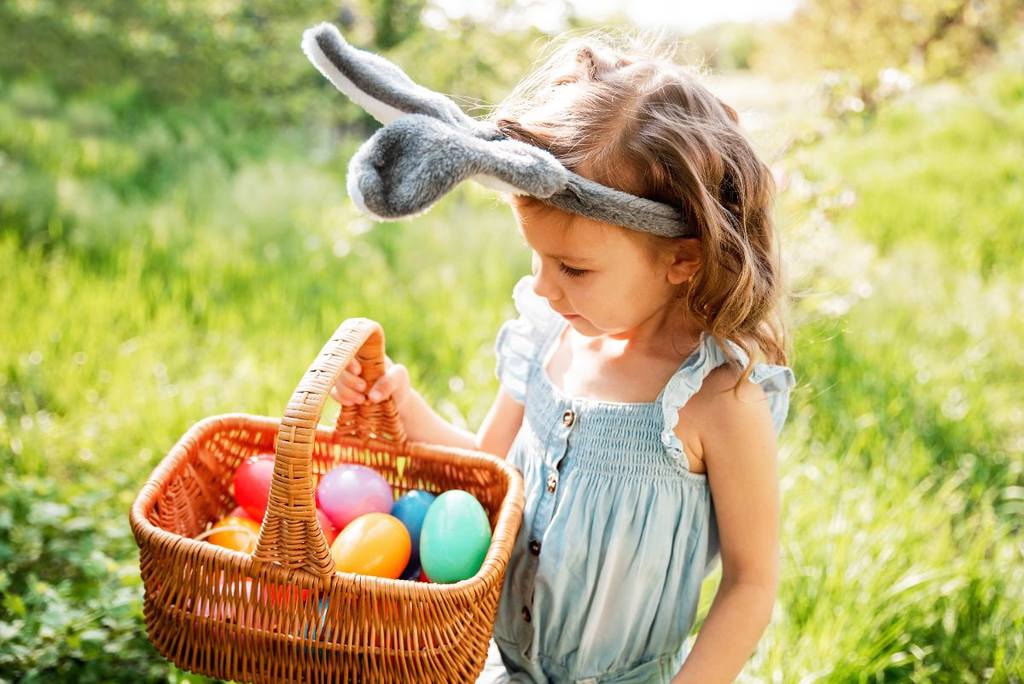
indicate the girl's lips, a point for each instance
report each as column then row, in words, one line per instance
column 570, row 315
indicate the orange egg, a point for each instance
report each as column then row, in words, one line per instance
column 373, row 544
column 238, row 533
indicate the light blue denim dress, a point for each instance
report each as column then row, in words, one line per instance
column 617, row 534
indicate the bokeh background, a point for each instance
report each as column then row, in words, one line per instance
column 176, row 242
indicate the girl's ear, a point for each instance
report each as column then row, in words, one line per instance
column 686, row 260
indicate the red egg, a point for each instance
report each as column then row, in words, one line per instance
column 239, row 512
column 330, row 531
column 252, row 484
column 278, row 594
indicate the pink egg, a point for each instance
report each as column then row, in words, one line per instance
column 349, row 491
column 223, row 603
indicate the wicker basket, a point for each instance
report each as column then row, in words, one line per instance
column 282, row 613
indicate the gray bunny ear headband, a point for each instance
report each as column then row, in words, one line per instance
column 428, row 145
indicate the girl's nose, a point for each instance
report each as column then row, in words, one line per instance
column 543, row 283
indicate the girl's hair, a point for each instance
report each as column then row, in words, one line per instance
column 618, row 110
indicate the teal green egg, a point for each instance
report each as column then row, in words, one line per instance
column 455, row 537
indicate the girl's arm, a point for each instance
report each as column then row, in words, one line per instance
column 422, row 423
column 740, row 454
column 495, row 435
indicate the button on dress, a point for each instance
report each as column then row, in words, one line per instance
column 617, row 535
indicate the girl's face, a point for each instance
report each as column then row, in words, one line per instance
column 602, row 280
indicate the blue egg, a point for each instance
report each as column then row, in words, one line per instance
column 411, row 509
column 411, row 572
column 314, row 632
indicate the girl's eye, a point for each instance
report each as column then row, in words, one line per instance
column 571, row 272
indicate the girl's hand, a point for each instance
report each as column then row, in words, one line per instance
column 351, row 389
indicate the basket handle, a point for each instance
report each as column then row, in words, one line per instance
column 290, row 534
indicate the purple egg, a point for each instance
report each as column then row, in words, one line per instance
column 349, row 491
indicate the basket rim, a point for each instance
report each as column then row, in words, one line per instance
column 498, row 553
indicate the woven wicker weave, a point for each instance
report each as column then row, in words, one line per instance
column 282, row 614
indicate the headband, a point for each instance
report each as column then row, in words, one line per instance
column 428, row 145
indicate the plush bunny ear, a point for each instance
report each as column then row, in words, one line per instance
column 374, row 83
column 387, row 93
column 410, row 163
column 428, row 145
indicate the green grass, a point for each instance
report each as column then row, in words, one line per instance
column 942, row 168
column 146, row 290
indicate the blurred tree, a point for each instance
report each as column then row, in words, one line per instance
column 861, row 39
column 726, row 46
column 168, row 51
column 395, row 20
column 165, row 53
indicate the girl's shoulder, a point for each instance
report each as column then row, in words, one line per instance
column 764, row 379
column 767, row 381
column 700, row 395
column 722, row 399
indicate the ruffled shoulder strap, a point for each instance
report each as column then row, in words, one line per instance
column 521, row 339
column 775, row 380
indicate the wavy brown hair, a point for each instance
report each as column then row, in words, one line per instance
column 617, row 108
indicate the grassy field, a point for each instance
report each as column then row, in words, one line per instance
column 159, row 270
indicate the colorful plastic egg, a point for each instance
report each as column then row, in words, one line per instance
column 238, row 533
column 330, row 531
column 222, row 604
column 411, row 508
column 313, row 631
column 412, row 571
column 240, row 512
column 373, row 544
column 278, row 594
column 252, row 484
column 455, row 538
column 350, row 490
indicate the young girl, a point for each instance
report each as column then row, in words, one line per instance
column 642, row 385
